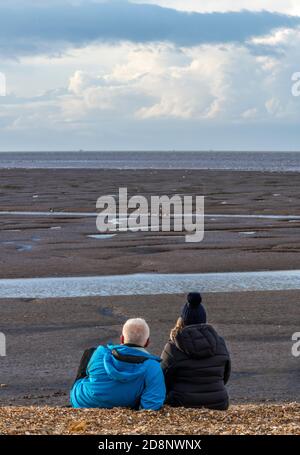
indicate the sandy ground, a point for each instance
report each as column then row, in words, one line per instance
column 45, row 338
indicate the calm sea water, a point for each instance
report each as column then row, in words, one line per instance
column 256, row 161
column 149, row 284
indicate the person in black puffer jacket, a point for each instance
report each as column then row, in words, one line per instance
column 195, row 361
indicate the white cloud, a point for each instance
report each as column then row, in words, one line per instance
column 279, row 37
column 80, row 81
column 148, row 85
column 273, row 106
column 193, row 89
column 250, row 113
column 224, row 83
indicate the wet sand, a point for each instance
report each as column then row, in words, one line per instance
column 45, row 338
column 58, row 246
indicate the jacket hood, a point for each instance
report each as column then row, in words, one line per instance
column 124, row 371
column 197, row 341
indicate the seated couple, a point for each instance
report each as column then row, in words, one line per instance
column 193, row 370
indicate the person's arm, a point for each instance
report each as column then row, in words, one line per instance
column 154, row 393
column 167, row 366
column 227, row 371
column 86, row 357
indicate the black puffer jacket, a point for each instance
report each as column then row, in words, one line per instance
column 197, row 366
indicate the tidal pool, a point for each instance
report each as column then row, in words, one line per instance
column 147, row 284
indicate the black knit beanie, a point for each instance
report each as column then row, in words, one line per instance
column 193, row 311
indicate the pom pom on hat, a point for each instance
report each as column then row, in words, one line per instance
column 193, row 311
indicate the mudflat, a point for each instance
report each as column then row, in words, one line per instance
column 45, row 338
column 34, row 246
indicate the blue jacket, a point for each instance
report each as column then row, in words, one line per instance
column 113, row 380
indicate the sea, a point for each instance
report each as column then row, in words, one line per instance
column 236, row 161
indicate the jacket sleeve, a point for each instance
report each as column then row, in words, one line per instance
column 154, row 393
column 167, row 365
column 227, row 371
column 82, row 369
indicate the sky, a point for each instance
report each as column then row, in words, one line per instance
column 149, row 75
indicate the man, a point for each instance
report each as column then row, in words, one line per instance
column 124, row 375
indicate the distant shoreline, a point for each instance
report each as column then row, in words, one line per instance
column 166, row 160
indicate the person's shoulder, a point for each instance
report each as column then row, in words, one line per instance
column 153, row 362
column 169, row 345
column 171, row 352
column 214, row 331
column 100, row 351
column 222, row 347
column 153, row 367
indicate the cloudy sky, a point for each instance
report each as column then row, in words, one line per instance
column 149, row 74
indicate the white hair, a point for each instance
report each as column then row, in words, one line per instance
column 136, row 331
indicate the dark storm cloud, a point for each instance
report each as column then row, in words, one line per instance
column 54, row 27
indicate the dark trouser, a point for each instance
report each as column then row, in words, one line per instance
column 81, row 373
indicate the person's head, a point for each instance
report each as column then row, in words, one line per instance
column 193, row 311
column 136, row 331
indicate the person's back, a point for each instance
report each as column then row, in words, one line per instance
column 124, row 375
column 196, row 362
